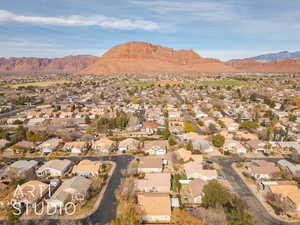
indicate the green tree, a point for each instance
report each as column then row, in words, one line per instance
column 253, row 97
column 189, row 146
column 269, row 102
column 188, row 127
column 239, row 216
column 172, row 141
column 165, row 133
column 292, row 117
column 36, row 137
column 51, row 156
column 3, row 134
column 120, row 121
column 215, row 194
column 21, row 133
column 239, row 93
column 248, row 125
column 244, row 99
column 200, row 123
column 218, row 140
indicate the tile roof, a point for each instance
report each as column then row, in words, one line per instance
column 155, row 204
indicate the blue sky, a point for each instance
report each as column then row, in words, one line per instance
column 222, row 29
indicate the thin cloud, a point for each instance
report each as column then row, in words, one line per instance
column 205, row 10
column 100, row 21
column 212, row 16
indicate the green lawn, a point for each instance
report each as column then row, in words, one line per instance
column 41, row 84
column 227, row 83
column 137, row 84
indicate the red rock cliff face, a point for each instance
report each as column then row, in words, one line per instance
column 33, row 65
column 142, row 57
column 249, row 65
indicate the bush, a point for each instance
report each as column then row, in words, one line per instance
column 188, row 127
column 249, row 125
column 239, row 216
column 172, row 141
column 218, row 140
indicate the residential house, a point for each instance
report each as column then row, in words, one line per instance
column 261, row 169
column 23, row 146
column 234, row 147
column 11, row 121
column 50, row 145
column 201, row 145
column 287, row 193
column 190, row 135
column 288, row 145
column 30, row 192
column 76, row 146
column 154, row 182
column 155, row 207
column 186, row 155
column 201, row 115
column 293, row 168
column 87, row 168
column 54, row 168
column 151, row 127
column 35, row 121
column 150, row 165
column 21, row 169
column 103, row 145
column 257, row 146
column 65, row 115
column 174, row 114
column 129, row 144
column 208, row 175
column 194, row 170
column 74, row 189
column 230, row 124
column 196, row 189
column 209, row 122
column 156, row 147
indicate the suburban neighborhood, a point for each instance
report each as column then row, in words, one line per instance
column 189, row 141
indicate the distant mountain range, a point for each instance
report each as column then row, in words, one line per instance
column 277, row 56
column 142, row 57
column 68, row 64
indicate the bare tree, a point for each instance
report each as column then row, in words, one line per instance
column 212, row 216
